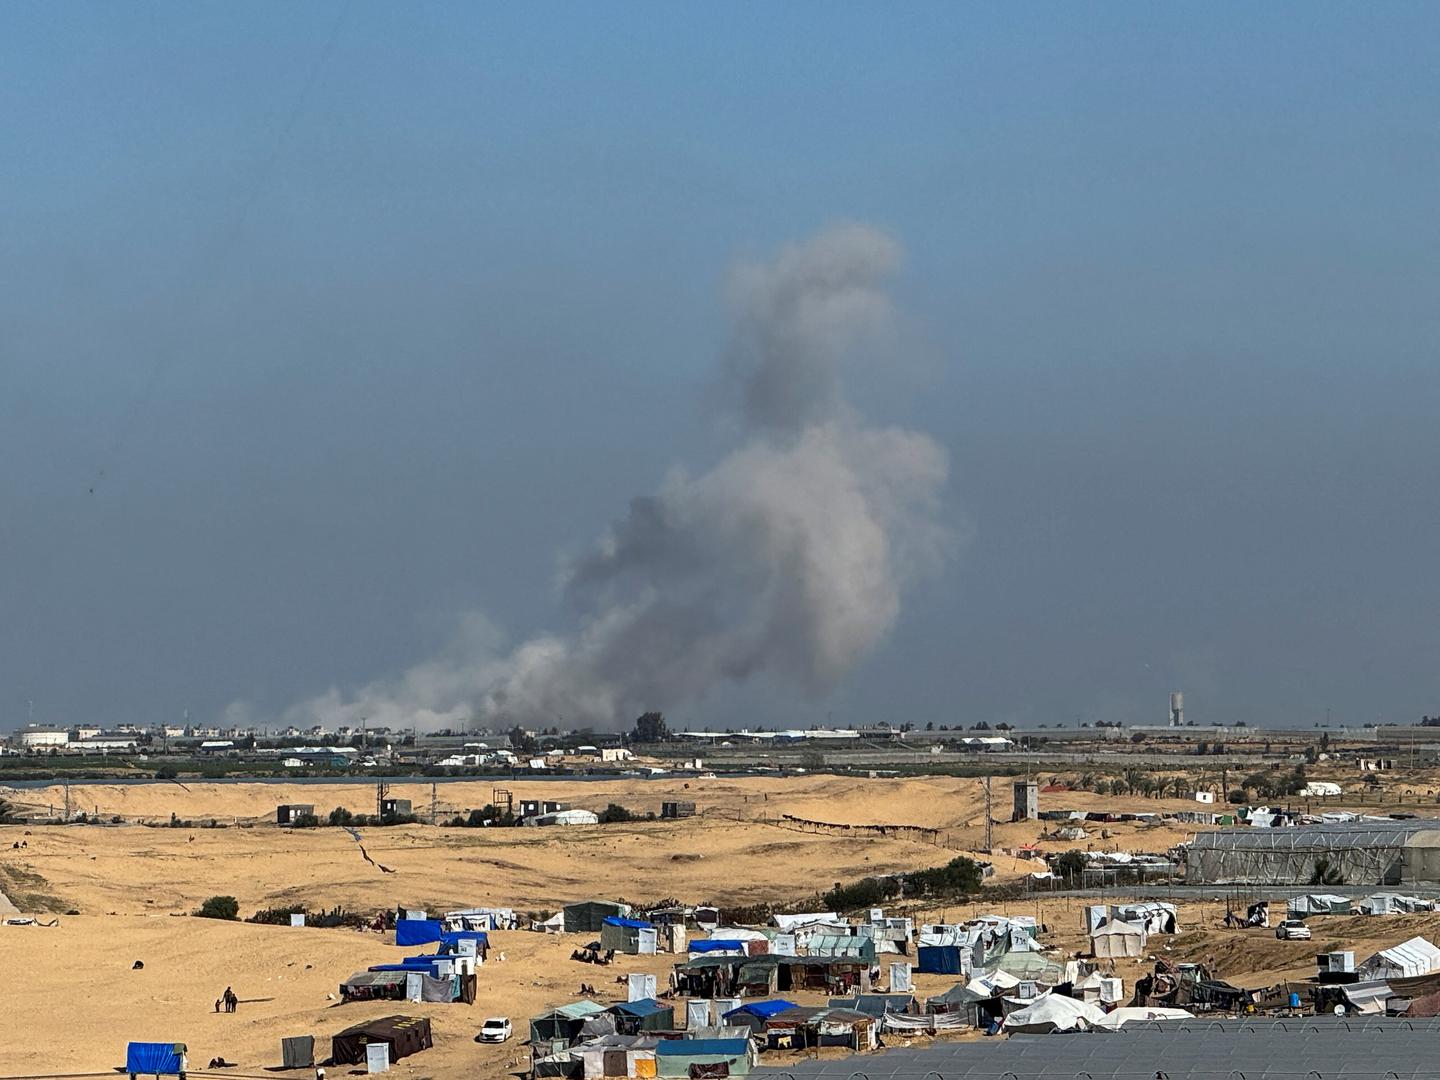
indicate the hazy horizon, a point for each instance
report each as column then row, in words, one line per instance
column 973, row 363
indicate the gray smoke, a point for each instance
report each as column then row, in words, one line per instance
column 786, row 559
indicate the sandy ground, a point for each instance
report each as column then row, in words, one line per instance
column 79, row 1000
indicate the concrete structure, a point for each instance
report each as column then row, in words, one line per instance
column 1027, row 801
column 42, row 738
column 287, row 813
column 1177, row 709
column 391, row 808
column 677, row 809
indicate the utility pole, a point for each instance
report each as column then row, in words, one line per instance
column 434, row 797
column 67, row 801
column 989, row 819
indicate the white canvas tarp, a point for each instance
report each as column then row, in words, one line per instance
column 1052, row 1013
column 1117, row 940
column 697, row 1013
column 954, row 1021
column 900, row 978
column 640, row 987
column 1414, row 957
column 793, row 922
column 1317, row 904
column 1393, row 904
column 1118, row 1018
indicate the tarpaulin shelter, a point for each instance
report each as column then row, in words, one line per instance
column 374, row 986
column 939, row 960
column 1155, row 917
column 703, row 1057
column 1406, row 960
column 876, row 1005
column 405, row 1035
column 1118, row 940
column 155, row 1059
column 754, row 1015
column 588, row 916
column 1115, row 1019
column 805, row 1027
column 1052, row 1013
column 298, row 1052
column 418, row 931
column 732, row 946
column 559, row 1028
column 1299, row 907
column 633, row 1017
column 1389, row 903
column 631, row 936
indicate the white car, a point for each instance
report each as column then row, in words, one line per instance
column 1292, row 930
column 495, row 1030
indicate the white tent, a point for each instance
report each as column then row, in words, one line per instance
column 1052, row 1013
column 1414, row 957
column 1118, row 1018
column 791, row 922
column 1105, row 989
column 1317, row 904
column 1118, row 940
column 1389, row 903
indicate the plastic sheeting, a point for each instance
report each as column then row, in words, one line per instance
column 1052, row 1013
column 418, row 931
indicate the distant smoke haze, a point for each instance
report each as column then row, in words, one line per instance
column 786, row 559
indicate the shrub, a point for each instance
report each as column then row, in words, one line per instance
column 615, row 813
column 220, row 907
column 166, row 772
column 341, row 816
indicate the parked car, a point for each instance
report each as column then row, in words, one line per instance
column 1292, row 930
column 497, row 1029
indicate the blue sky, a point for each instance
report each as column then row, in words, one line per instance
column 358, row 317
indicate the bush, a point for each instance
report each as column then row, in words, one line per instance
column 166, row 772
column 220, row 907
column 615, row 813
column 305, row 821
column 341, row 816
column 1069, row 866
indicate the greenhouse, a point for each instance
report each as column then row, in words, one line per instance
column 1378, row 852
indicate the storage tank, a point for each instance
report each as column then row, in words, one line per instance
column 1177, row 709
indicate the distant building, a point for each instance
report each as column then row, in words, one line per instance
column 289, row 813
column 85, row 731
column 393, row 808
column 616, row 753
column 108, row 743
column 1027, row 801
column 677, row 809
column 38, row 738
column 535, row 807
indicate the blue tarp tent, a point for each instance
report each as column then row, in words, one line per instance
column 452, row 939
column 418, row 931
column 702, row 1048
column 155, row 1059
column 938, row 960
column 761, row 1009
column 716, row 945
column 633, row 924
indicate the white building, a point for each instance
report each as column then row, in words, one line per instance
column 42, row 738
column 615, row 753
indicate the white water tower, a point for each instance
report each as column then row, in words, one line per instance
column 1177, row 709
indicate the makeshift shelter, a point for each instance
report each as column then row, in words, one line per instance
column 632, row 936
column 1406, row 960
column 1118, row 940
column 418, row 932
column 405, row 1035
column 617, row 1056
column 633, row 1017
column 876, row 1005
column 1118, row 1018
column 939, row 960
column 374, row 986
column 559, row 1029
column 298, row 1052
column 703, row 1057
column 754, row 1015
column 1051, row 1013
column 1155, row 917
column 801, row 1027
column 588, row 916
column 1300, row 907
column 1389, row 903
column 1099, row 989
column 155, row 1059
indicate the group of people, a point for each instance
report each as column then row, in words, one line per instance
column 228, row 1000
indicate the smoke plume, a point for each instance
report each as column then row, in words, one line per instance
column 786, row 559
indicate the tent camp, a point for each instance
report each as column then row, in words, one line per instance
column 418, row 931
column 1414, row 957
column 1117, row 940
column 405, row 1035
column 1052, row 1013
column 1393, row 904
column 588, row 916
